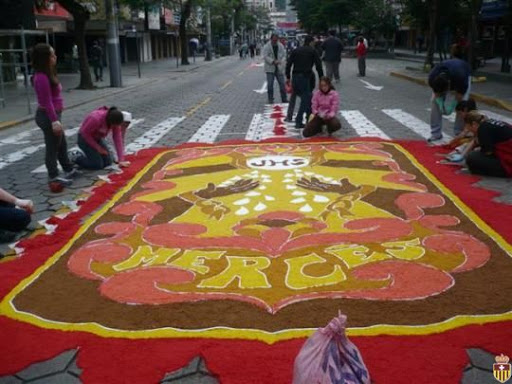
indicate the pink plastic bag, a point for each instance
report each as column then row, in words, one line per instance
column 328, row 357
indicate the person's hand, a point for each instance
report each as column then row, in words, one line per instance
column 102, row 151
column 27, row 205
column 124, row 164
column 57, row 128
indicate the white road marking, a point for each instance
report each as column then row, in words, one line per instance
column 411, row 122
column 451, row 118
column 497, row 116
column 263, row 89
column 210, row 129
column 19, row 155
column 18, row 137
column 152, row 136
column 362, row 125
column 371, row 86
column 255, row 128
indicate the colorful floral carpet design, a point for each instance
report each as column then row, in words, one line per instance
column 239, row 251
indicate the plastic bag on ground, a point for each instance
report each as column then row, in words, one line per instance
column 329, row 357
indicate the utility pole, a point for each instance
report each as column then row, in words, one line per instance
column 232, row 36
column 114, row 55
column 209, row 32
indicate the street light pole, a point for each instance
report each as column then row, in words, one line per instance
column 114, row 56
column 208, row 33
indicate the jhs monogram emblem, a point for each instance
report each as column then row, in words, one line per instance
column 270, row 163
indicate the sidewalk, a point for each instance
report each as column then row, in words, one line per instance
column 16, row 105
column 491, row 68
column 495, row 89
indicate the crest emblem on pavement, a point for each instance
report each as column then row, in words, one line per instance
column 501, row 369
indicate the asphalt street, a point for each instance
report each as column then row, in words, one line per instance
column 222, row 101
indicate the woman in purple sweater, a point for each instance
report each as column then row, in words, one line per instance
column 48, row 115
column 91, row 138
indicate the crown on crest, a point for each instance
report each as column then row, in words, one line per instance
column 502, row 359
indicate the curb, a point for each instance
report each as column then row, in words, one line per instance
column 12, row 123
column 477, row 96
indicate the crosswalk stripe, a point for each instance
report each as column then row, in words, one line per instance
column 411, row 122
column 18, row 138
column 497, row 116
column 254, row 131
column 152, row 136
column 362, row 125
column 451, row 118
column 210, row 129
column 19, row 155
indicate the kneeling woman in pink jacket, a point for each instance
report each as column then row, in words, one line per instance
column 325, row 107
column 91, row 138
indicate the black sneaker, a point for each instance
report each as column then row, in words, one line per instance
column 72, row 174
column 288, row 120
column 433, row 139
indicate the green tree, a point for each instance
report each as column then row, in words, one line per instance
column 318, row 16
column 81, row 12
column 310, row 15
column 376, row 18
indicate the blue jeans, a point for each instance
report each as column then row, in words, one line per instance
column 293, row 98
column 302, row 87
column 436, row 117
column 92, row 159
column 11, row 218
column 270, row 86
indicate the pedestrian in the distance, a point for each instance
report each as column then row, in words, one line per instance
column 97, row 60
column 74, row 58
column 274, row 55
column 325, row 108
column 419, row 43
column 332, row 48
column 361, row 57
column 448, row 78
column 91, row 139
column 48, row 116
column 495, row 140
column 14, row 215
column 302, row 61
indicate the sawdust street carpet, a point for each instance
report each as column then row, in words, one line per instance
column 239, row 251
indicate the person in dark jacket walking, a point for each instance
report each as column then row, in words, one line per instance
column 332, row 48
column 450, row 75
column 302, row 60
column 97, row 60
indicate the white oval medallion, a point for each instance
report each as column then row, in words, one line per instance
column 277, row 163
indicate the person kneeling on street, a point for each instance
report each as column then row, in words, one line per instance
column 325, row 109
column 495, row 140
column 91, row 139
column 14, row 215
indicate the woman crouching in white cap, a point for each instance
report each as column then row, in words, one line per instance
column 91, row 138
